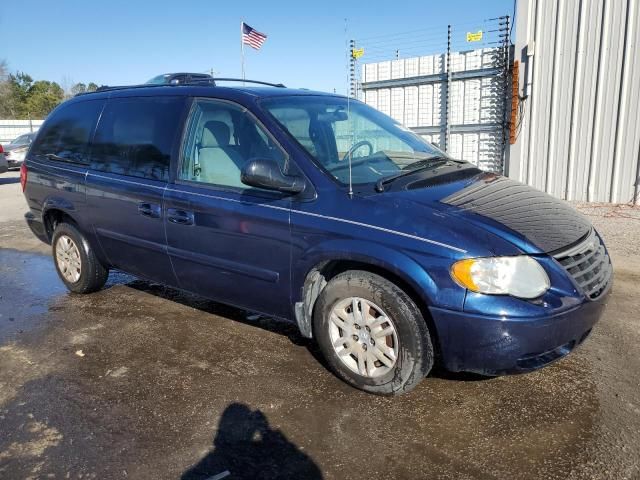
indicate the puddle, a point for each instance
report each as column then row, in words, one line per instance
column 28, row 282
column 29, row 288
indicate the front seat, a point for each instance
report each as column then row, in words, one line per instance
column 219, row 163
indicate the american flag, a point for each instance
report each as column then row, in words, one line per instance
column 252, row 37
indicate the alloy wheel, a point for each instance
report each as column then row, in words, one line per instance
column 68, row 259
column 363, row 336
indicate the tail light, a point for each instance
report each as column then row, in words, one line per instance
column 23, row 175
column 1, row 149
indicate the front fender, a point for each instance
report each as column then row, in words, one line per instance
column 427, row 275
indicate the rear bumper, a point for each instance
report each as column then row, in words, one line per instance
column 502, row 345
column 37, row 227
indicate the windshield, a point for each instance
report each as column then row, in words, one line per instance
column 158, row 80
column 22, row 139
column 332, row 128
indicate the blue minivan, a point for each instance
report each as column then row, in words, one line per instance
column 318, row 209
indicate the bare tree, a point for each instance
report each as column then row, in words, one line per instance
column 5, row 91
column 67, row 85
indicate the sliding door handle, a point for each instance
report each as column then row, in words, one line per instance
column 149, row 210
column 180, row 217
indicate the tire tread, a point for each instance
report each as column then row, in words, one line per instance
column 412, row 323
column 93, row 274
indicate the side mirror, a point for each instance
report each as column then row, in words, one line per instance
column 264, row 173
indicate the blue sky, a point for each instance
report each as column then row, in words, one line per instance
column 122, row 42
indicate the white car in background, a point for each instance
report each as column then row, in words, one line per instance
column 4, row 165
column 17, row 149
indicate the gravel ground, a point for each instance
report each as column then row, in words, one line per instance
column 619, row 225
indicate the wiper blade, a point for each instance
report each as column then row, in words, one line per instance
column 53, row 156
column 421, row 165
column 431, row 161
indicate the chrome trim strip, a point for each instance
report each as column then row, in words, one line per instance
column 336, row 219
column 274, row 207
column 129, row 181
column 589, row 243
column 46, row 165
column 215, row 197
column 382, row 229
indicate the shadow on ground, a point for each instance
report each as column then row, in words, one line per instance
column 9, row 180
column 246, row 446
column 280, row 327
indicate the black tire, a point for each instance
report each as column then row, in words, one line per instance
column 93, row 275
column 415, row 350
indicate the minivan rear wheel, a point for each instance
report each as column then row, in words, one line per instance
column 372, row 334
column 76, row 262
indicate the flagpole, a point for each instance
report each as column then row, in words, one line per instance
column 242, row 47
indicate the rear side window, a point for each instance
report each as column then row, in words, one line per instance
column 65, row 135
column 135, row 136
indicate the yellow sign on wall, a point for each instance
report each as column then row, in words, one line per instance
column 474, row 36
column 357, row 52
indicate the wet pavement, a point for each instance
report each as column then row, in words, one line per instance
column 142, row 381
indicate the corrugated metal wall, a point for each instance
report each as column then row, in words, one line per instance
column 579, row 137
column 10, row 129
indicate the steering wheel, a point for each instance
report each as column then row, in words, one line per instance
column 356, row 146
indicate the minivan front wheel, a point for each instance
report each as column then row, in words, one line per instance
column 75, row 260
column 372, row 334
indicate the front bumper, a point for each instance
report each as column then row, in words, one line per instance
column 11, row 163
column 501, row 345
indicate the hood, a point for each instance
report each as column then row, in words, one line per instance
column 533, row 221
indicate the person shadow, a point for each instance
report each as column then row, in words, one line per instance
column 246, row 447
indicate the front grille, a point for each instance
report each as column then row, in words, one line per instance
column 588, row 264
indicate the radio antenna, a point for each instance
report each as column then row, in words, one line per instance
column 350, row 90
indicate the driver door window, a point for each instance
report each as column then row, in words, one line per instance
column 221, row 139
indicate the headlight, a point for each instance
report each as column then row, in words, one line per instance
column 521, row 276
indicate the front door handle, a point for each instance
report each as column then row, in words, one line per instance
column 149, row 210
column 180, row 217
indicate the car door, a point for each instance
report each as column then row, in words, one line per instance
column 129, row 169
column 226, row 240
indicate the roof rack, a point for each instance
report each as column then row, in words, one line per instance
column 194, row 82
column 213, row 81
column 107, row 88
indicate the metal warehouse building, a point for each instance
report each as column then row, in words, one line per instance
column 579, row 137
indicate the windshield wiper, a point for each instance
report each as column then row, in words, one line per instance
column 417, row 167
column 53, row 156
column 431, row 161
